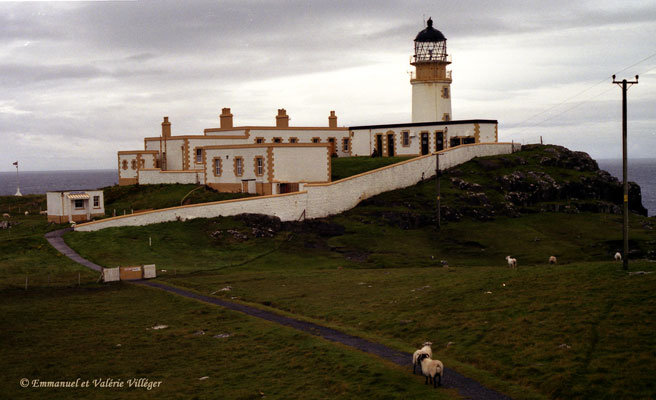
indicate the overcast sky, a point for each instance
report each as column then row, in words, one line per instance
column 81, row 80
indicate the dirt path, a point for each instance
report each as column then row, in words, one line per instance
column 468, row 388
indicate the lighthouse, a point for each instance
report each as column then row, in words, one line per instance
column 431, row 82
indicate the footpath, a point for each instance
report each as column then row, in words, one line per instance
column 468, row 388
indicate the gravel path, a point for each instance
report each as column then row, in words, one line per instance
column 468, row 388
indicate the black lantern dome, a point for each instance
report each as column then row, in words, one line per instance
column 430, row 45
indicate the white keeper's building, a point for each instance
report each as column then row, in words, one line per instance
column 276, row 159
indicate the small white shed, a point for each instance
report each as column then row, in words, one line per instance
column 75, row 206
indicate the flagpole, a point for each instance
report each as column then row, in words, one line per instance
column 18, row 192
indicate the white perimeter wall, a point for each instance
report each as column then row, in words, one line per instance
column 317, row 200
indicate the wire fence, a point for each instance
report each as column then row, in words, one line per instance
column 50, row 280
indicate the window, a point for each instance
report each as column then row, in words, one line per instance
column 96, row 201
column 293, row 140
column 277, row 140
column 446, row 117
column 217, row 166
column 79, row 204
column 199, row 155
column 405, row 139
column 259, row 140
column 142, row 163
column 239, row 166
column 125, row 164
column 316, row 140
column 259, row 166
column 445, row 92
column 133, row 164
column 345, row 145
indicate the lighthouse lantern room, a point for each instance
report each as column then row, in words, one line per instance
column 431, row 82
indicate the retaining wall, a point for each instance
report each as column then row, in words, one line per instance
column 316, row 200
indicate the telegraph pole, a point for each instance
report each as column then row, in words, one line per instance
column 437, row 177
column 624, row 84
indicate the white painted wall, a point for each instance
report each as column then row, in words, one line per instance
column 157, row 176
column 317, row 200
column 427, row 102
column 301, row 164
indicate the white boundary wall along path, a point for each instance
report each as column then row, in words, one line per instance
column 316, row 200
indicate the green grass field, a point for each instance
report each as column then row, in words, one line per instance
column 581, row 329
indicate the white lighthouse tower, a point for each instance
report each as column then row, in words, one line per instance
column 431, row 82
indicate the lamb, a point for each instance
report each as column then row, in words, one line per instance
column 618, row 256
column 512, row 262
column 553, row 260
column 431, row 369
column 27, row 213
column 425, row 349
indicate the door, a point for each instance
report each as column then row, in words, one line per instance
column 332, row 145
column 390, row 145
column 379, row 145
column 424, row 143
column 439, row 141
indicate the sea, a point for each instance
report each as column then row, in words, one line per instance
column 642, row 171
column 40, row 182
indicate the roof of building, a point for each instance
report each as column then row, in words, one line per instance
column 430, row 34
column 411, row 124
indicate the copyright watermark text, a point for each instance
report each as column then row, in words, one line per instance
column 105, row 383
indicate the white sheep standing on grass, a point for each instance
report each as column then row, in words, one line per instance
column 512, row 262
column 431, row 369
column 553, row 260
column 618, row 256
column 425, row 349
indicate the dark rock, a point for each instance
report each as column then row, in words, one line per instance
column 261, row 221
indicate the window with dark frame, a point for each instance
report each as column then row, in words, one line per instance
column 79, row 204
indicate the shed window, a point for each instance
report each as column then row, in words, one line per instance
column 96, row 201
column 79, row 204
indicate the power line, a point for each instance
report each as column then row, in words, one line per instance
column 580, row 93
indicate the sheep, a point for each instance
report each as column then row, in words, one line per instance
column 425, row 349
column 512, row 262
column 618, row 256
column 5, row 215
column 553, row 260
column 431, row 369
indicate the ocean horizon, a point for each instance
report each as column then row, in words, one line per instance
column 641, row 170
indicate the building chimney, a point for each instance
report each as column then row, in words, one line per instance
column 166, row 127
column 282, row 119
column 332, row 120
column 226, row 118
